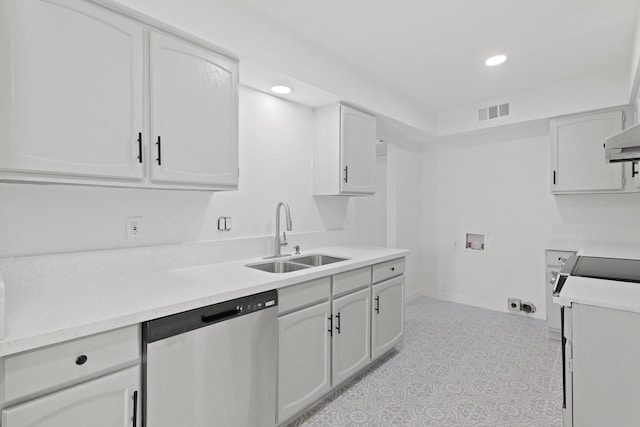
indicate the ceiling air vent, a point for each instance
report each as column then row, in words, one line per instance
column 494, row 112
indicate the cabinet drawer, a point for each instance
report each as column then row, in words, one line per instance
column 307, row 293
column 63, row 364
column 388, row 269
column 558, row 258
column 351, row 280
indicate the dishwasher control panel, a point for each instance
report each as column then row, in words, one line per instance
column 175, row 324
column 258, row 303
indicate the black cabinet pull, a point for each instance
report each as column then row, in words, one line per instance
column 159, row 144
column 554, row 177
column 338, row 323
column 634, row 171
column 81, row 360
column 330, row 325
column 346, row 174
column 393, row 269
column 378, row 304
column 139, row 147
column 134, row 418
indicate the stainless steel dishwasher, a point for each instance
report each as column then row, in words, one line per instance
column 212, row 366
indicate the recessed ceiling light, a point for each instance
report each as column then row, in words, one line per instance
column 281, row 89
column 495, row 60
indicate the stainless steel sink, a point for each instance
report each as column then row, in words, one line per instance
column 316, row 260
column 278, row 266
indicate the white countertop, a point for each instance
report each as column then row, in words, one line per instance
column 52, row 314
column 609, row 294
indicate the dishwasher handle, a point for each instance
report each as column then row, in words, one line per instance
column 224, row 315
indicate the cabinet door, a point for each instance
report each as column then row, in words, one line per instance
column 194, row 114
column 304, row 358
column 387, row 318
column 351, row 334
column 358, row 151
column 577, row 155
column 606, row 378
column 76, row 99
column 110, row 401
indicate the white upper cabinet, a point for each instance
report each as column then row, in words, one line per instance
column 78, row 105
column 74, row 78
column 194, row 113
column 344, row 151
column 577, row 157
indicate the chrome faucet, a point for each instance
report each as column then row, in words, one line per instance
column 277, row 243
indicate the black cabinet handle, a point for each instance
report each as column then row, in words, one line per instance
column 338, row 323
column 81, row 360
column 634, row 171
column 330, row 325
column 378, row 304
column 393, row 269
column 554, row 177
column 159, row 144
column 134, row 418
column 346, row 174
column 139, row 147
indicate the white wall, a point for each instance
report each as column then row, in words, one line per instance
column 370, row 212
column 634, row 72
column 595, row 92
column 498, row 184
column 275, row 164
column 404, row 193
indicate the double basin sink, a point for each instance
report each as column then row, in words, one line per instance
column 295, row 264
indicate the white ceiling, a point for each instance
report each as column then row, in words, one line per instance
column 434, row 51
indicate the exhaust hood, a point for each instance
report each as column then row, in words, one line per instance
column 623, row 146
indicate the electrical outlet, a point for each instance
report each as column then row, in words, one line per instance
column 514, row 304
column 134, row 227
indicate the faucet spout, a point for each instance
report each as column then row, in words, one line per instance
column 277, row 243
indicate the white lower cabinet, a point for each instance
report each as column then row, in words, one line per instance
column 333, row 327
column 387, row 316
column 351, row 334
column 304, row 368
column 109, row 401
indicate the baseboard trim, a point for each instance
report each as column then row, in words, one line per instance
column 412, row 297
column 477, row 302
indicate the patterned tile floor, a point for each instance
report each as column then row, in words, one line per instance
column 459, row 366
